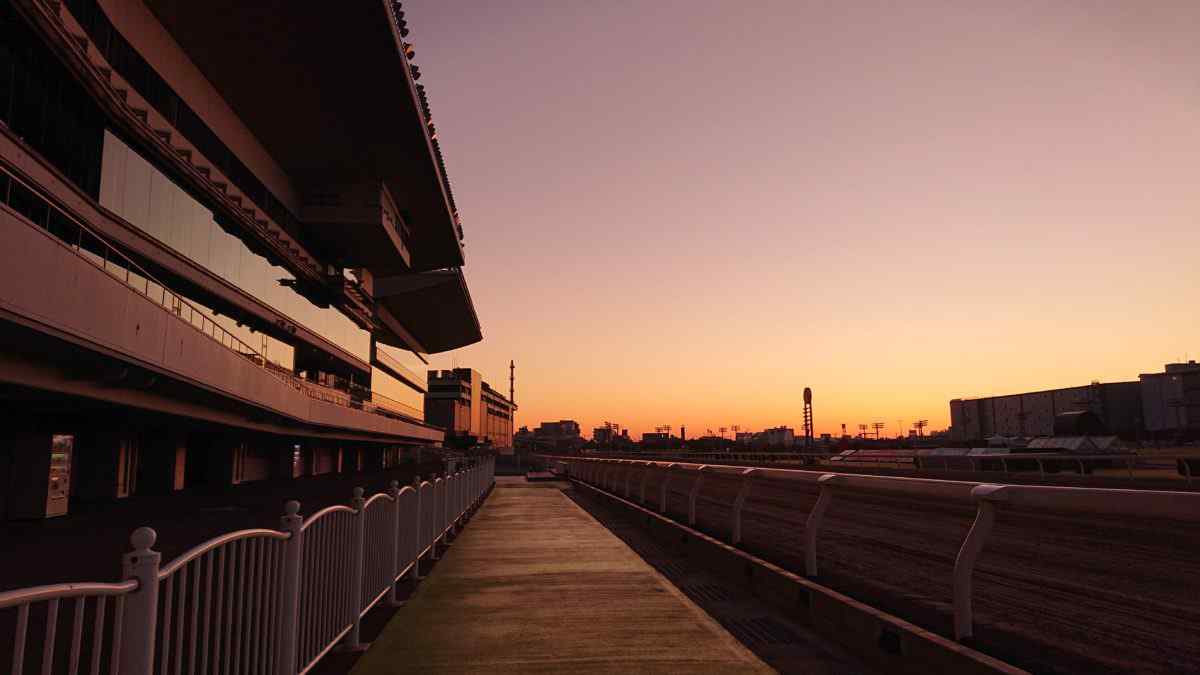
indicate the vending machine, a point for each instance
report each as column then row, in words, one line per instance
column 58, row 490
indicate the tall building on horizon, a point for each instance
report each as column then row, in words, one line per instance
column 469, row 409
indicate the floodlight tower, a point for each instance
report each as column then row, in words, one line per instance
column 920, row 426
column 877, row 426
column 808, row 419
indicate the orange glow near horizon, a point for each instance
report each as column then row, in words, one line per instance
column 895, row 208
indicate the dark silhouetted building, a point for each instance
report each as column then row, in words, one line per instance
column 469, row 409
column 560, row 435
column 1171, row 400
column 1116, row 404
column 209, row 240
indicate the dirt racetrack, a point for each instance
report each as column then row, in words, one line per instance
column 1053, row 594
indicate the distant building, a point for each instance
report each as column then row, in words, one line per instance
column 1171, row 400
column 606, row 434
column 563, row 435
column 656, row 437
column 779, row 437
column 1117, row 404
column 469, row 409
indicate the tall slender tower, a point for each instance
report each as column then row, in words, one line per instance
column 808, row 419
column 512, row 401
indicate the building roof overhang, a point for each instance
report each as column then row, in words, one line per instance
column 328, row 92
column 432, row 309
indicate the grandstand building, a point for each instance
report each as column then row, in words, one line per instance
column 219, row 253
column 1116, row 404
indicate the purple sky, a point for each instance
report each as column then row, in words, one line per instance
column 683, row 212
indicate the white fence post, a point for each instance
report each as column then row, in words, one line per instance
column 397, row 561
column 289, row 614
column 433, row 517
column 662, row 491
column 694, row 494
column 642, row 489
column 352, row 642
column 628, row 476
column 419, row 542
column 986, row 497
column 816, row 517
column 735, row 535
column 140, row 623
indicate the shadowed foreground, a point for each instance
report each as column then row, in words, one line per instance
column 536, row 585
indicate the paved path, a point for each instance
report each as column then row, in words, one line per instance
column 534, row 584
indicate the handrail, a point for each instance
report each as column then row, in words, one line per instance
column 336, row 508
column 200, row 549
column 83, row 227
column 24, row 596
column 376, row 497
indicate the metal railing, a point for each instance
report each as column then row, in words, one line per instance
column 250, row 601
column 42, row 211
column 1186, row 466
column 619, row 476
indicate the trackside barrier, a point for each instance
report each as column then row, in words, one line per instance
column 1182, row 464
column 986, row 498
column 250, row 601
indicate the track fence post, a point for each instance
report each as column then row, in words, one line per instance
column 289, row 613
column 986, row 496
column 645, row 478
column 735, row 534
column 352, row 642
column 694, row 494
column 140, row 622
column 816, row 517
column 662, row 490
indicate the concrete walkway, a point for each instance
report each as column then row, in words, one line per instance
column 533, row 584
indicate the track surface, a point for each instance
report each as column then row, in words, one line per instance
column 1053, row 594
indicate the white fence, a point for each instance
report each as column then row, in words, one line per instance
column 628, row 479
column 251, row 601
column 1129, row 465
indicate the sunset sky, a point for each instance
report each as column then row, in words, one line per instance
column 684, row 212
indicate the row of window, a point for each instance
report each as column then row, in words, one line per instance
column 125, row 60
column 133, row 188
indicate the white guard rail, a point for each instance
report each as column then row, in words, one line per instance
column 628, row 478
column 251, row 601
column 1186, row 466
